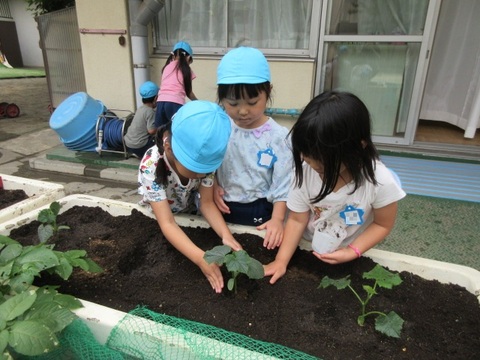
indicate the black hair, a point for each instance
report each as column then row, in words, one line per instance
column 162, row 171
column 183, row 66
column 334, row 128
column 238, row 91
column 148, row 100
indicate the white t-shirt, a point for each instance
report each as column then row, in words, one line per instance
column 333, row 215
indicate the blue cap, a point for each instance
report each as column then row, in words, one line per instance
column 200, row 134
column 148, row 89
column 243, row 65
column 184, row 46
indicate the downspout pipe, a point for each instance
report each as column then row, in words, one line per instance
column 141, row 14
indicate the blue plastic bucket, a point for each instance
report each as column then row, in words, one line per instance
column 74, row 120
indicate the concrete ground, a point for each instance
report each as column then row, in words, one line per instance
column 26, row 141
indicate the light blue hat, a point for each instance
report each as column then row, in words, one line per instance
column 148, row 89
column 243, row 65
column 200, row 134
column 184, row 46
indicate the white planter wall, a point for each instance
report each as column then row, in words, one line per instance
column 101, row 320
column 39, row 193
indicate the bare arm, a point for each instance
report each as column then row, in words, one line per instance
column 294, row 228
column 182, row 243
column 213, row 216
column 382, row 225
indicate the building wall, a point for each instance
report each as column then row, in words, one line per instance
column 27, row 31
column 109, row 69
column 107, row 64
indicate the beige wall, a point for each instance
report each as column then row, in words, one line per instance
column 107, row 64
column 109, row 70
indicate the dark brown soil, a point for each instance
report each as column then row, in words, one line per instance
column 10, row 197
column 141, row 267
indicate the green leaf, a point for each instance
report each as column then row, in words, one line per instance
column 63, row 227
column 53, row 315
column 6, row 271
column 9, row 253
column 237, row 261
column 217, row 254
column 21, row 282
column 17, row 305
column 93, row 267
column 55, row 207
column 383, row 277
column 64, row 269
column 4, row 335
column 32, row 338
column 369, row 290
column 7, row 241
column 390, row 324
column 46, row 216
column 45, row 232
column 41, row 257
column 340, row 284
column 255, row 269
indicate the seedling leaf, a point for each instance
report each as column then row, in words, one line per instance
column 390, row 324
column 340, row 284
column 217, row 254
column 383, row 277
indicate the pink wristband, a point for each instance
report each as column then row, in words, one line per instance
column 355, row 249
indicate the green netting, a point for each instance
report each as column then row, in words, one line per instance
column 144, row 334
column 148, row 335
column 78, row 342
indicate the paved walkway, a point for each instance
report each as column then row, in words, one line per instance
column 25, row 141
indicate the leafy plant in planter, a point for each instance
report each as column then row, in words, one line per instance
column 389, row 324
column 237, row 262
column 48, row 218
column 31, row 317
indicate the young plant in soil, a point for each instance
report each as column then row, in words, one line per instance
column 237, row 262
column 48, row 218
column 31, row 317
column 389, row 324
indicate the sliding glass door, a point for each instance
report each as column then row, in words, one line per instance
column 378, row 50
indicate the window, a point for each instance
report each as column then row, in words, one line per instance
column 280, row 27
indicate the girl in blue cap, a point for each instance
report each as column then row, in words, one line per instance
column 254, row 178
column 176, row 83
column 177, row 175
column 344, row 199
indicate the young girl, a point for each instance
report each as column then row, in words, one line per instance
column 255, row 175
column 344, row 199
column 180, row 169
column 176, row 83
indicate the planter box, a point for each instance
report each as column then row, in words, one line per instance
column 39, row 193
column 101, row 320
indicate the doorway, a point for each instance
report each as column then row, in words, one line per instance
column 450, row 109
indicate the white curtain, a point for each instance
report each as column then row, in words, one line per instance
column 267, row 24
column 452, row 90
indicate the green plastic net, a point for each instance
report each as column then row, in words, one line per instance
column 144, row 334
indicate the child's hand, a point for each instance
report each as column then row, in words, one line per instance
column 218, row 193
column 274, row 236
column 234, row 244
column 275, row 269
column 337, row 257
column 213, row 275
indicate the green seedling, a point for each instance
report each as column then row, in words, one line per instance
column 31, row 318
column 237, row 262
column 389, row 324
column 48, row 218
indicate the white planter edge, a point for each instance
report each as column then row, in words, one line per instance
column 39, row 193
column 101, row 320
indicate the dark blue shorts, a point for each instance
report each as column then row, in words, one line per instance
column 164, row 112
column 253, row 214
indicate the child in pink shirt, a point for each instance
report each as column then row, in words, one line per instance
column 176, row 83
